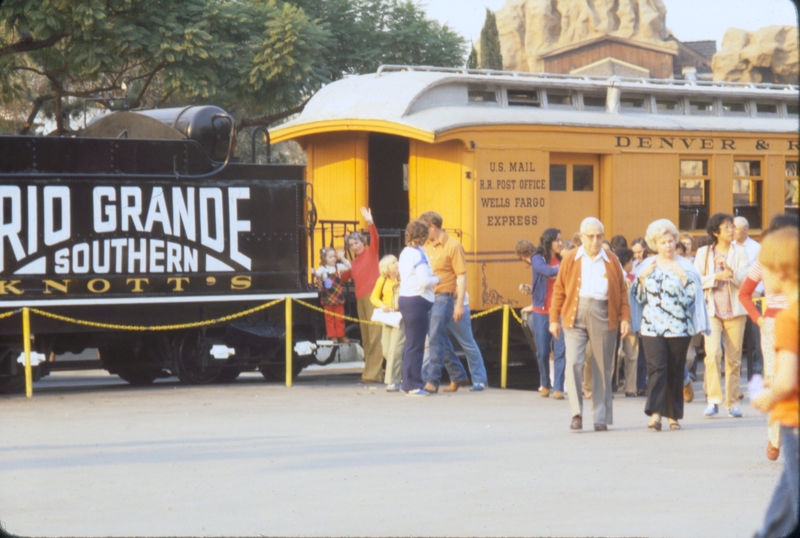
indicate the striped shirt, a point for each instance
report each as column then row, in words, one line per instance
column 776, row 301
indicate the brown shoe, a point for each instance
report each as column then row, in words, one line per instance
column 545, row 392
column 688, row 393
column 453, row 386
column 577, row 423
column 344, row 340
column 430, row 387
column 600, row 428
column 558, row 395
column 772, row 452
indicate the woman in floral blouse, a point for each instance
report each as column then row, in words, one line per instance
column 671, row 310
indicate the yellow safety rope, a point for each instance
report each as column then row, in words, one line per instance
column 191, row 325
column 334, row 314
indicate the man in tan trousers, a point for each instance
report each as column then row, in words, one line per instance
column 590, row 297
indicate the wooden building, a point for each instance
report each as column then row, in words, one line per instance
column 657, row 60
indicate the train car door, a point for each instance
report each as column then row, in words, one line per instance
column 388, row 180
column 574, row 190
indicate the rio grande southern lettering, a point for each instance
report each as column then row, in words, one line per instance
column 173, row 215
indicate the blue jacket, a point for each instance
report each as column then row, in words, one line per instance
column 541, row 272
column 699, row 316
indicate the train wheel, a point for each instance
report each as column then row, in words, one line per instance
column 276, row 369
column 133, row 360
column 15, row 384
column 228, row 375
column 139, row 378
column 194, row 361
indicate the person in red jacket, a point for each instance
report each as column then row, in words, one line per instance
column 775, row 302
column 365, row 273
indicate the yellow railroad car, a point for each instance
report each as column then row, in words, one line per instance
column 503, row 156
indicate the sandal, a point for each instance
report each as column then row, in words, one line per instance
column 674, row 425
column 654, row 425
column 587, row 394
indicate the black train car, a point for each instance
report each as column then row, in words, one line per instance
column 144, row 221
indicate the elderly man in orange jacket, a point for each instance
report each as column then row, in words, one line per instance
column 591, row 298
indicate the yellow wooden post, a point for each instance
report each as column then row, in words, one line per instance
column 504, row 352
column 288, row 341
column 26, row 344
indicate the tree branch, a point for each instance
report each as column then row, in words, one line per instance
column 149, row 78
column 37, row 104
column 267, row 120
column 32, row 45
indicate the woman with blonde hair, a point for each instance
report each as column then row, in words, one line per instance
column 393, row 338
column 778, row 258
column 416, row 300
column 667, row 308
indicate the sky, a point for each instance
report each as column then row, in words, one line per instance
column 689, row 20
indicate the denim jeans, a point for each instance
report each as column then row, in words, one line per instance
column 415, row 318
column 781, row 516
column 540, row 326
column 440, row 346
column 462, row 332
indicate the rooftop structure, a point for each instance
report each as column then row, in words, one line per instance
column 422, row 102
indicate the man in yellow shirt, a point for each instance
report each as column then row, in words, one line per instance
column 446, row 256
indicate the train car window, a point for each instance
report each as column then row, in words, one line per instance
column 791, row 195
column 582, row 178
column 634, row 104
column 733, row 109
column 558, row 177
column 769, row 109
column 669, row 106
column 596, row 101
column 693, row 194
column 747, row 192
column 792, row 109
column 698, row 168
column 523, row 98
column 559, row 98
column 701, row 107
column 482, row 96
column 746, row 168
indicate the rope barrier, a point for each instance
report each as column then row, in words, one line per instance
column 516, row 317
column 174, row 327
column 334, row 314
column 9, row 314
column 486, row 312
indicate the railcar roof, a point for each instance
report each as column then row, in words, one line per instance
column 426, row 102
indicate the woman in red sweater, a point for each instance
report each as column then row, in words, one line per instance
column 775, row 302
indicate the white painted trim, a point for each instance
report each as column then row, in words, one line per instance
column 89, row 301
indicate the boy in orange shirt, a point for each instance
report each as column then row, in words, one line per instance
column 778, row 257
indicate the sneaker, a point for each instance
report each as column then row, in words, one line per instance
column 392, row 388
column 477, row 387
column 418, row 392
column 711, row 410
column 734, row 412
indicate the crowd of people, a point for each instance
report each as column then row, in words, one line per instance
column 609, row 316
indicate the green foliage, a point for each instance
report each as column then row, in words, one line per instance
column 472, row 60
column 258, row 59
column 490, row 57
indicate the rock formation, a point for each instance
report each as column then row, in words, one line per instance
column 530, row 28
column 766, row 55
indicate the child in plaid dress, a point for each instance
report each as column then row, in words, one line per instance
column 330, row 277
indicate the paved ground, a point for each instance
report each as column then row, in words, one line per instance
column 91, row 456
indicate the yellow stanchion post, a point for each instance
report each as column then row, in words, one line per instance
column 26, row 345
column 504, row 352
column 288, row 341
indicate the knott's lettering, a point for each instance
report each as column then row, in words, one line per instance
column 121, row 286
column 694, row 143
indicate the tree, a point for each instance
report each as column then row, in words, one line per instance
column 472, row 60
column 259, row 59
column 490, row 56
